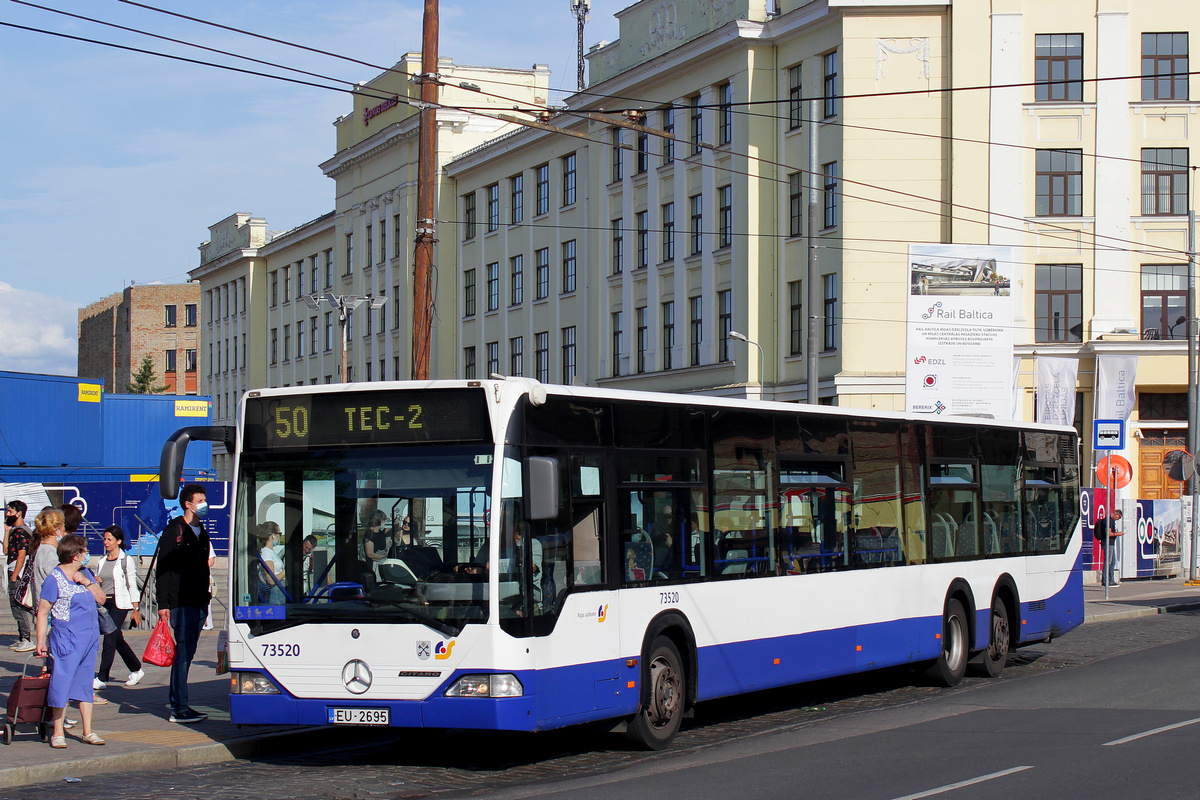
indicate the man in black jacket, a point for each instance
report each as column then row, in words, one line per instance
column 183, row 595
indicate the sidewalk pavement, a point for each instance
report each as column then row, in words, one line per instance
column 134, row 722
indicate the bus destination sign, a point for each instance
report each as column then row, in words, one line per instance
column 356, row 418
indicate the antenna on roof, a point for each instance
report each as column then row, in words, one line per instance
column 582, row 10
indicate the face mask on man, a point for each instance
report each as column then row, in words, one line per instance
column 202, row 510
column 10, row 519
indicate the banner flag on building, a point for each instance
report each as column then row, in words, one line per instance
column 960, row 335
column 1115, row 395
column 1056, row 390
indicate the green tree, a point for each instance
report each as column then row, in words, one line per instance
column 144, row 378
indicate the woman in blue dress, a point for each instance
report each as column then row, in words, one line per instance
column 70, row 596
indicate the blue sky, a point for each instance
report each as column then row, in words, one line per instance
column 115, row 163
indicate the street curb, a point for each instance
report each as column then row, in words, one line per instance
column 161, row 758
column 1143, row 612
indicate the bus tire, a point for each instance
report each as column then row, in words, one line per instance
column 655, row 724
column 951, row 663
column 990, row 662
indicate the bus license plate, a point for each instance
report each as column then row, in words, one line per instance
column 359, row 716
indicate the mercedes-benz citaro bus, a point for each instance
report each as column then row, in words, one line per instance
column 507, row 555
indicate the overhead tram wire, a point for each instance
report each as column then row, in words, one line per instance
column 651, row 131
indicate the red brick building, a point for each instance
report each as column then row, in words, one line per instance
column 116, row 333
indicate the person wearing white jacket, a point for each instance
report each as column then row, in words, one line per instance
column 117, row 575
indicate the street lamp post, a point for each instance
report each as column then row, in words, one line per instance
column 344, row 303
column 762, row 359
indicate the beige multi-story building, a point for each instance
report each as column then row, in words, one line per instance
column 156, row 320
column 616, row 258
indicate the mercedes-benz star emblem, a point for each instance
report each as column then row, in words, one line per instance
column 356, row 676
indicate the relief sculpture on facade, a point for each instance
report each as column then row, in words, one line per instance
column 918, row 45
column 664, row 27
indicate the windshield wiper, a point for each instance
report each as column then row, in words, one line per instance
column 418, row 616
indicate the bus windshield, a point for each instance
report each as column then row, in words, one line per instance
column 363, row 534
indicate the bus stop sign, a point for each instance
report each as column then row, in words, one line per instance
column 1109, row 434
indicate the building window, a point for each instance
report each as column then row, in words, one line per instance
column 493, row 286
column 368, row 253
column 696, row 328
column 287, row 281
column 568, row 175
column 382, row 320
column 395, row 308
column 492, row 193
column 668, row 334
column 795, row 317
column 516, row 280
column 314, row 274
column 1058, row 302
column 643, row 236
column 724, row 323
column 795, row 205
column 668, row 127
column 830, row 64
column 1058, row 66
column 469, row 363
column 395, row 237
column 617, row 335
column 274, row 346
column 189, row 315
column 367, row 374
column 516, row 188
column 542, row 266
column 349, row 253
column 696, row 227
column 618, row 246
column 328, row 331
column 795, row 99
column 829, row 185
column 171, row 316
column 468, row 217
column 328, row 268
column 542, row 187
column 189, row 360
column 299, row 279
column 493, row 359
column 1164, row 301
column 568, row 355
column 349, row 323
column 469, row 293
column 300, row 339
column 1164, row 181
column 724, row 217
column 1165, row 406
column 642, row 338
column 172, row 355
column 1059, row 183
column 697, row 123
column 725, row 113
column 516, row 356
column 618, row 158
column 568, row 266
column 830, row 295
column 287, row 342
column 314, row 338
column 382, row 246
column 668, row 231
column 395, row 368
column 643, row 151
column 1164, row 66
column 541, row 356
column 274, row 290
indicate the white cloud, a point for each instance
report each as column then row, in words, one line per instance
column 37, row 332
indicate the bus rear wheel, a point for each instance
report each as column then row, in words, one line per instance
column 990, row 662
column 951, row 663
column 655, row 724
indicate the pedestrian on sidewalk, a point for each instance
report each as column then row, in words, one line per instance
column 71, row 595
column 117, row 575
column 1114, row 546
column 19, row 565
column 183, row 591
column 48, row 532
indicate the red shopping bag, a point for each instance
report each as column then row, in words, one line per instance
column 161, row 649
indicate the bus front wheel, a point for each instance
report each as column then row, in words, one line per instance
column 990, row 662
column 656, row 723
column 951, row 663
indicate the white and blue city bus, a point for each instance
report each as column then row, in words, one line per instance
column 510, row 556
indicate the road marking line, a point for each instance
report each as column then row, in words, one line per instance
column 1143, row 735
column 970, row 782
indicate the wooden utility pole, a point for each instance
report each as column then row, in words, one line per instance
column 426, row 174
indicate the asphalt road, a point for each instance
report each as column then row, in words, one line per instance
column 1057, row 724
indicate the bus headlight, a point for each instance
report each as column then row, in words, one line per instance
column 251, row 683
column 501, row 685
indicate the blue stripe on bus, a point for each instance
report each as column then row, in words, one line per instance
column 569, row 695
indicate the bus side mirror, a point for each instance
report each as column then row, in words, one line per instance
column 541, row 488
column 170, row 464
